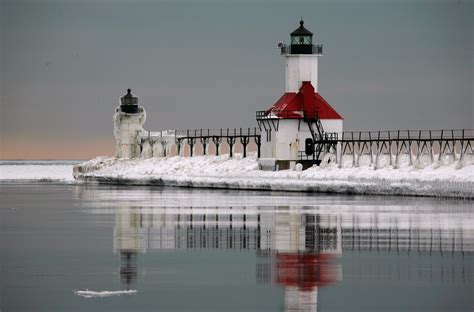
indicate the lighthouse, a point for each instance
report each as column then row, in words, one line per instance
column 129, row 118
column 300, row 126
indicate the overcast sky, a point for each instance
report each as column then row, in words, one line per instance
column 211, row 64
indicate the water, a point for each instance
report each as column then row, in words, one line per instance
column 97, row 248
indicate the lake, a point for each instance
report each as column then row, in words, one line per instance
column 68, row 247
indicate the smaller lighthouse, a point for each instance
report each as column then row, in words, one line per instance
column 301, row 125
column 129, row 118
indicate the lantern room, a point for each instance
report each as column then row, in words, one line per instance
column 301, row 40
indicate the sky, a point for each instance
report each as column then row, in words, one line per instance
column 405, row 64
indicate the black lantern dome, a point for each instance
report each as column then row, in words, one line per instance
column 301, row 40
column 301, row 31
column 129, row 103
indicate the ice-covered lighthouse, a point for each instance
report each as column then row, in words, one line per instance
column 301, row 117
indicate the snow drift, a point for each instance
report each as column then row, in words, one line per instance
column 440, row 179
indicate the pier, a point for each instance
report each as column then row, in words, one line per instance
column 435, row 144
column 429, row 146
column 216, row 137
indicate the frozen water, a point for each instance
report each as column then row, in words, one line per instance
column 34, row 171
column 104, row 293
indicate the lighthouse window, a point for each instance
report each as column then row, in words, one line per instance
column 301, row 40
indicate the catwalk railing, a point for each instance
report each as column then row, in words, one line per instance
column 435, row 145
column 216, row 137
column 301, row 49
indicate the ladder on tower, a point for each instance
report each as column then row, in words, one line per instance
column 317, row 133
column 323, row 142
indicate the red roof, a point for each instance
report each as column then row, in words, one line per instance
column 306, row 270
column 306, row 102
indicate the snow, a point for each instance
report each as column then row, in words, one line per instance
column 36, row 171
column 106, row 293
column 438, row 179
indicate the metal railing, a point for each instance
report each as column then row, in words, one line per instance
column 223, row 133
column 412, row 135
column 216, row 136
column 279, row 114
column 283, row 114
column 287, row 49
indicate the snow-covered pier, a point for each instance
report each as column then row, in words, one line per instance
column 223, row 172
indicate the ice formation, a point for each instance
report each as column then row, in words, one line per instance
column 105, row 293
column 442, row 180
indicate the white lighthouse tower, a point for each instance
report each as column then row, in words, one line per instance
column 301, row 58
column 295, row 127
column 129, row 118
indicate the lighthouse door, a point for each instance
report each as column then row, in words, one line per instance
column 309, row 146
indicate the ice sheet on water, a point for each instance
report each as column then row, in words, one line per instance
column 104, row 293
column 36, row 173
column 40, row 162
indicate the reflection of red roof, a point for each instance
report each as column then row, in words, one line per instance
column 292, row 105
column 306, row 271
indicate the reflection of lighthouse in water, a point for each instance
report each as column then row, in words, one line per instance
column 305, row 257
column 128, row 241
column 296, row 251
column 296, row 248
